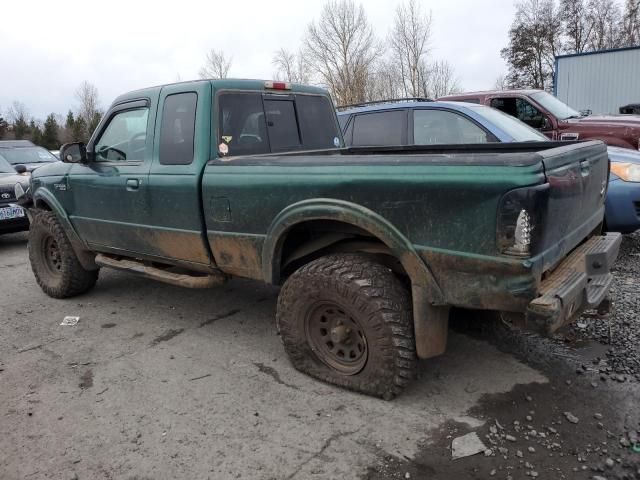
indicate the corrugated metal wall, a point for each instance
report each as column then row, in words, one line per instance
column 601, row 82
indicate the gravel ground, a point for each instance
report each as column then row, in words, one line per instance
column 620, row 330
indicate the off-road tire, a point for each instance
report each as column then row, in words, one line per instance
column 67, row 278
column 375, row 299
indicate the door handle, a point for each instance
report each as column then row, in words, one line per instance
column 132, row 184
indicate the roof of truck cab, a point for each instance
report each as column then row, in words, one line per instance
column 224, row 84
column 483, row 93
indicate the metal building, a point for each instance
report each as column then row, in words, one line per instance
column 601, row 81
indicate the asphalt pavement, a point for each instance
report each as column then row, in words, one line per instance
column 156, row 382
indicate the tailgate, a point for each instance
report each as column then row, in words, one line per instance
column 577, row 175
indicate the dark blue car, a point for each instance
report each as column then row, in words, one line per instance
column 423, row 122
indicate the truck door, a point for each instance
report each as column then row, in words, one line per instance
column 180, row 151
column 109, row 195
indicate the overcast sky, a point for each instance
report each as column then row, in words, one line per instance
column 48, row 48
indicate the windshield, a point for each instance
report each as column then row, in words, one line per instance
column 517, row 130
column 554, row 106
column 5, row 167
column 20, row 155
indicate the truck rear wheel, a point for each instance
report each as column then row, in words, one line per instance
column 53, row 261
column 347, row 320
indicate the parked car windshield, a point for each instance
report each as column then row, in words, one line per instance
column 5, row 167
column 19, row 155
column 556, row 107
column 517, row 130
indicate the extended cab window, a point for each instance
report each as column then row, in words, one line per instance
column 177, row 130
column 433, row 127
column 124, row 138
column 384, row 128
column 253, row 123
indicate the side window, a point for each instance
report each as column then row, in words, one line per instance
column 384, row 128
column 242, row 127
column 441, row 127
column 506, row 105
column 529, row 114
column 521, row 109
column 317, row 121
column 125, row 137
column 282, row 125
column 177, row 129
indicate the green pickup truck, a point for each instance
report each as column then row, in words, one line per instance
column 197, row 182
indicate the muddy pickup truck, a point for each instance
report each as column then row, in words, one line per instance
column 194, row 183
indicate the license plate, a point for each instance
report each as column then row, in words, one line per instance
column 7, row 213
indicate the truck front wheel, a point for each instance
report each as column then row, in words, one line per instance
column 53, row 261
column 347, row 320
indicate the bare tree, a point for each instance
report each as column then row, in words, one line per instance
column 217, row 65
column 606, row 18
column 87, row 97
column 631, row 23
column 17, row 111
column 442, row 80
column 291, row 67
column 578, row 25
column 342, row 49
column 501, row 83
column 409, row 41
column 385, row 82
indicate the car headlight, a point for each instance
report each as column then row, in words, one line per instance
column 629, row 172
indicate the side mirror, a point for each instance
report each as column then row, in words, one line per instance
column 20, row 169
column 545, row 124
column 73, row 152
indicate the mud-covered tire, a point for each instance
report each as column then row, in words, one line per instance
column 373, row 301
column 53, row 261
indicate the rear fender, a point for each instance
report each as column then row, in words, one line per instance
column 430, row 320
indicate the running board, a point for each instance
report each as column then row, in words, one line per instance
column 179, row 279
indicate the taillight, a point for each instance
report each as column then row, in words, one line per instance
column 520, row 215
column 277, row 85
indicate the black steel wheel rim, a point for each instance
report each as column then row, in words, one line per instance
column 52, row 255
column 337, row 338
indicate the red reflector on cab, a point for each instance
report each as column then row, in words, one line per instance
column 277, row 85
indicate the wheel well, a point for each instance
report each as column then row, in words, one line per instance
column 42, row 205
column 308, row 241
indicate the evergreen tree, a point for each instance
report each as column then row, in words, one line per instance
column 4, row 126
column 70, row 121
column 95, row 120
column 35, row 133
column 50, row 133
column 20, row 128
column 79, row 130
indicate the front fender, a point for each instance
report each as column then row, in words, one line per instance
column 613, row 141
column 43, row 196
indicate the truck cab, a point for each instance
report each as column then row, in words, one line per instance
column 558, row 121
